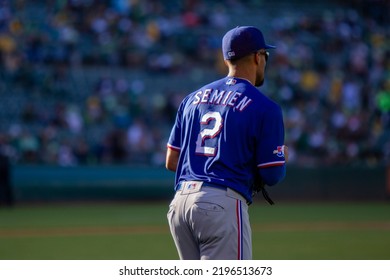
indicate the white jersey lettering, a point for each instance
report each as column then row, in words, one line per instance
column 243, row 103
column 217, row 97
column 234, row 98
column 221, row 97
column 227, row 97
column 205, row 97
column 197, row 97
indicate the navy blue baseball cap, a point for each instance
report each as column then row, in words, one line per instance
column 241, row 41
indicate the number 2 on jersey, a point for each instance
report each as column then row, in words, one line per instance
column 208, row 133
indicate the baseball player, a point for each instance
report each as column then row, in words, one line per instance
column 227, row 142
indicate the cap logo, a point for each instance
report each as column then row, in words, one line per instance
column 230, row 54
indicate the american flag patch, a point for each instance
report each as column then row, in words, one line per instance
column 231, row 82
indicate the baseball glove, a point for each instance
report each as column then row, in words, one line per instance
column 259, row 186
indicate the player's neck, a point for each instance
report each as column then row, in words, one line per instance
column 243, row 73
column 246, row 72
column 242, row 78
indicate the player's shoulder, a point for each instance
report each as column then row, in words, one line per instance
column 261, row 100
column 215, row 84
column 246, row 87
column 266, row 102
column 212, row 85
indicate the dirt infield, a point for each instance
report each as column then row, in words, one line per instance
column 257, row 228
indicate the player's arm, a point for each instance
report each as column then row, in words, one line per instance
column 172, row 158
column 272, row 175
column 272, row 153
column 174, row 142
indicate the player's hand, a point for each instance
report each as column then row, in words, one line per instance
column 285, row 151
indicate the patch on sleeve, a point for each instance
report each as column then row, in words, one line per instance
column 279, row 151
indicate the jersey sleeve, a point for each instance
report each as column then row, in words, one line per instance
column 270, row 146
column 174, row 141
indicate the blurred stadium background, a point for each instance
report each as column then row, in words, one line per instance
column 89, row 91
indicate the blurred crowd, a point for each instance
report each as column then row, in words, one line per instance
column 99, row 82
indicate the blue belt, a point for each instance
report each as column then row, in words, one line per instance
column 205, row 184
column 210, row 185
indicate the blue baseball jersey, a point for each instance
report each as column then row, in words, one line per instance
column 225, row 133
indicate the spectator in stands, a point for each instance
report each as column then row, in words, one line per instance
column 330, row 72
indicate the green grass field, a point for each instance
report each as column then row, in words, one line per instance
column 135, row 231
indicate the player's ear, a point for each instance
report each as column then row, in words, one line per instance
column 256, row 58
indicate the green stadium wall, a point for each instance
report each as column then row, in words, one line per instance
column 115, row 183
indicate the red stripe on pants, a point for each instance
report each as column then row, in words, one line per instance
column 239, row 230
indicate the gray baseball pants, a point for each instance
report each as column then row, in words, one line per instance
column 209, row 223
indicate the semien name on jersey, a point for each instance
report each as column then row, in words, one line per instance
column 222, row 97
